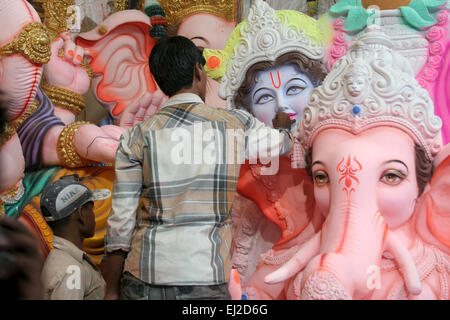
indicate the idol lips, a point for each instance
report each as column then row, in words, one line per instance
column 292, row 116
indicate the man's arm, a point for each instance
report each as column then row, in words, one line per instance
column 112, row 271
column 264, row 142
column 125, row 201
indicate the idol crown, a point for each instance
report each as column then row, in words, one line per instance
column 372, row 86
column 176, row 10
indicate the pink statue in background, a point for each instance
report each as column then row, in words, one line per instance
column 387, row 215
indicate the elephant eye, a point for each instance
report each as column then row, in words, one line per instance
column 393, row 177
column 320, row 178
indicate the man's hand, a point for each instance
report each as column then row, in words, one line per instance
column 20, row 262
column 112, row 272
column 282, row 121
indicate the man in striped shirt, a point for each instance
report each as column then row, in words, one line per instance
column 169, row 231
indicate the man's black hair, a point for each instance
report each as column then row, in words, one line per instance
column 172, row 63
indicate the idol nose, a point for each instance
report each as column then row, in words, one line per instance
column 283, row 106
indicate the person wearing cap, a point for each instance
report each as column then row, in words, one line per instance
column 68, row 273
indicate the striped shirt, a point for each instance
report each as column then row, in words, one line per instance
column 176, row 177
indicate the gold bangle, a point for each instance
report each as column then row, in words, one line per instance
column 63, row 98
column 11, row 127
column 66, row 148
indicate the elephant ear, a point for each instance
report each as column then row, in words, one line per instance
column 433, row 208
column 120, row 49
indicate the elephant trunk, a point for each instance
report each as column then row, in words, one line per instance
column 353, row 239
column 352, row 243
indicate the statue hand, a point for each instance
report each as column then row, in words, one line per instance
column 98, row 143
column 65, row 71
column 142, row 109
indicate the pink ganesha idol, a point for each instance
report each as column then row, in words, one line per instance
column 271, row 63
column 41, row 119
column 121, row 45
column 371, row 145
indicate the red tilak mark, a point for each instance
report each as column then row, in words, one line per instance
column 347, row 173
column 279, row 80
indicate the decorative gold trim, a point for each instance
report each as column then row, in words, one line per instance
column 120, row 5
column 12, row 127
column 176, row 10
column 46, row 232
column 56, row 16
column 66, row 148
column 30, row 110
column 63, row 98
column 13, row 194
column 33, row 43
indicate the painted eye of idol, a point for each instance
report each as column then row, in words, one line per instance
column 395, row 176
column 265, row 98
column 294, row 90
column 320, row 178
